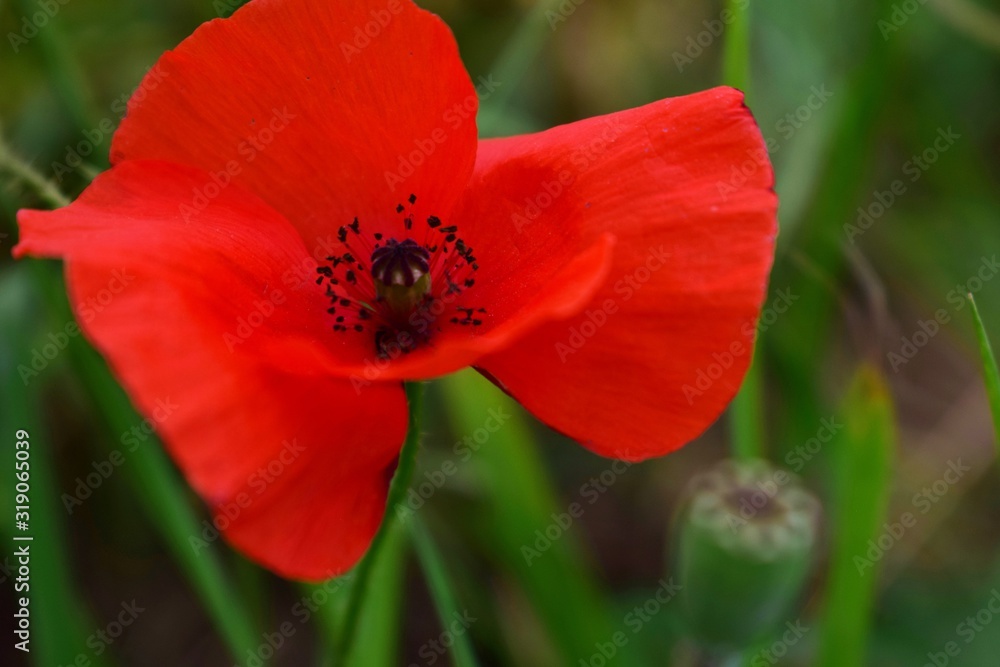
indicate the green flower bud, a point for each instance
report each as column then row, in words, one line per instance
column 747, row 537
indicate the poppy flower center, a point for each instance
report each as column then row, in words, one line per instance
column 400, row 270
column 407, row 286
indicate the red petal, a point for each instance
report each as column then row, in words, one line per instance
column 295, row 464
column 663, row 345
column 320, row 108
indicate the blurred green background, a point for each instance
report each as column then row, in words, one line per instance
column 881, row 119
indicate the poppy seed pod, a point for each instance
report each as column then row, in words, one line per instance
column 746, row 542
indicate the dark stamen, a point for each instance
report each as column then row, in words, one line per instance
column 405, row 277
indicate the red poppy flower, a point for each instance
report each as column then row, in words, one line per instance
column 305, row 219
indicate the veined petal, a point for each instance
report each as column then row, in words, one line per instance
column 194, row 319
column 695, row 233
column 326, row 110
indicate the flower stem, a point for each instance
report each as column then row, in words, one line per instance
column 736, row 50
column 746, row 417
column 23, row 172
column 397, row 492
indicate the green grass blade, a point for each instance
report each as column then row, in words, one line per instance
column 251, row 581
column 60, row 623
column 990, row 375
column 166, row 499
column 158, row 486
column 68, row 79
column 862, row 459
column 559, row 584
column 518, row 54
column 441, row 590
column 817, row 236
column 328, row 600
column 159, row 489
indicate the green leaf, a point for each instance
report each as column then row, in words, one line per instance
column 60, row 623
column 862, row 461
column 159, row 488
column 746, row 411
column 746, row 416
column 441, row 591
column 66, row 75
column 810, row 246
